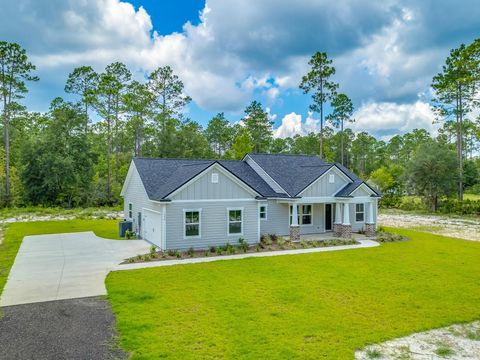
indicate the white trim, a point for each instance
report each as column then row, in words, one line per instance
column 300, row 214
column 164, row 228
column 364, row 187
column 130, row 171
column 266, row 211
column 211, row 200
column 359, row 212
column 214, row 178
column 228, row 221
column 264, row 173
column 221, row 169
column 199, row 236
column 325, row 199
column 341, row 174
column 258, row 220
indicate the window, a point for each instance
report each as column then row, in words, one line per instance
column 359, row 212
column 235, row 221
column 304, row 214
column 192, row 223
column 331, row 178
column 130, row 215
column 263, row 212
column 214, row 178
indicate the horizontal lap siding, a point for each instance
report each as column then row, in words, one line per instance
column 135, row 193
column 278, row 218
column 356, row 226
column 213, row 224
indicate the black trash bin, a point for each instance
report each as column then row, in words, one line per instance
column 123, row 226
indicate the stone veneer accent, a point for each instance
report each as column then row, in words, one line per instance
column 336, row 229
column 370, row 230
column 294, row 233
column 345, row 231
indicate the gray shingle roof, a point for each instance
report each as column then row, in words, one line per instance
column 292, row 172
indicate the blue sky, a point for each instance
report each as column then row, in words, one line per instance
column 229, row 52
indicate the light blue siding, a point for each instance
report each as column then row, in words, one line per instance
column 203, row 188
column 360, row 191
column 323, row 187
column 214, row 223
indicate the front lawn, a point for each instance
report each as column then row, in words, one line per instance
column 310, row 306
column 15, row 233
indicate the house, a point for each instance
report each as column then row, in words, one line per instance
column 180, row 203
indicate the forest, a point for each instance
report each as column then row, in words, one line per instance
column 77, row 154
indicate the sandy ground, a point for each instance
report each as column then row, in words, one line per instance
column 33, row 217
column 467, row 228
column 457, row 342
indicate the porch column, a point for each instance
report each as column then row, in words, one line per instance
column 370, row 228
column 346, row 227
column 338, row 219
column 294, row 228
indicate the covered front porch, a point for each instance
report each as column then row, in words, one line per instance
column 328, row 218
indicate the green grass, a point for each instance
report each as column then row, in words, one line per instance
column 473, row 197
column 14, row 234
column 310, row 306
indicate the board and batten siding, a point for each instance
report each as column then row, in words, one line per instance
column 203, row 188
column 323, row 187
column 136, row 195
column 213, row 223
column 278, row 220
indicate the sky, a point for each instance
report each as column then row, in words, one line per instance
column 230, row 52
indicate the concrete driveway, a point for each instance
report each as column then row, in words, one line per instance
column 65, row 266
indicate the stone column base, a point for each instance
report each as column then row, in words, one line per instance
column 294, row 233
column 370, row 230
column 336, row 229
column 345, row 231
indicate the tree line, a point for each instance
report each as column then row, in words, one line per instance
column 78, row 152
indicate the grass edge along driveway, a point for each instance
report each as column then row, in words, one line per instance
column 15, row 232
column 309, row 306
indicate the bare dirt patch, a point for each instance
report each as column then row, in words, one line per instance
column 462, row 228
column 453, row 342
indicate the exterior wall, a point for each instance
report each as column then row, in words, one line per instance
column 213, row 223
column 322, row 186
column 356, row 226
column 361, row 191
column 136, row 195
column 278, row 220
column 203, row 188
column 264, row 175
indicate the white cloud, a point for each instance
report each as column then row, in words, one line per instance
column 388, row 119
column 292, row 125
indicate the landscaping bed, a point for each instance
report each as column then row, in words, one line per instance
column 267, row 243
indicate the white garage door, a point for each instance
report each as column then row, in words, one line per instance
column 152, row 227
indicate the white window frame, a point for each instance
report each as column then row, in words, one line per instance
column 130, row 211
column 359, row 212
column 228, row 221
column 300, row 214
column 331, row 178
column 260, row 211
column 185, row 236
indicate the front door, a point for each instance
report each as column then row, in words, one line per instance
column 328, row 217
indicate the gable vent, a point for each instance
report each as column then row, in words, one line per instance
column 331, row 178
column 214, row 178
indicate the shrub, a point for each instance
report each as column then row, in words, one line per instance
column 146, row 258
column 374, row 354
column 172, row 252
column 258, row 248
column 190, row 252
column 266, row 240
column 242, row 245
column 219, row 250
column 273, row 237
column 129, row 234
column 303, row 244
column 281, row 242
column 131, row 260
column 213, row 249
column 153, row 251
column 178, row 254
column 207, row 253
column 314, row 243
column 386, row 237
